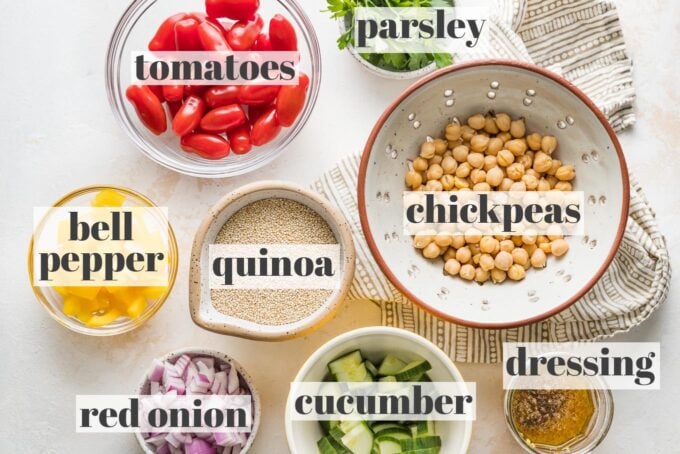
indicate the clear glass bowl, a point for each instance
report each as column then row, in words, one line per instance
column 596, row 431
column 133, row 32
column 52, row 301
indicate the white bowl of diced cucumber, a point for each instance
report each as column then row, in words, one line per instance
column 377, row 354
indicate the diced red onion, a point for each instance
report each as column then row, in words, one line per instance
column 198, row 446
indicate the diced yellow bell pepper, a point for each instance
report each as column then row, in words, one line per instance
column 136, row 307
column 72, row 305
column 108, row 198
column 63, row 291
column 154, row 293
column 88, row 293
column 103, row 319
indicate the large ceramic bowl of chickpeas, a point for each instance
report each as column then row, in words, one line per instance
column 493, row 126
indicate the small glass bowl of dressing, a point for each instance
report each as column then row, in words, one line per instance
column 573, row 421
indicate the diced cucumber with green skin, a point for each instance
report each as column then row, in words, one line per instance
column 423, row 451
column 394, row 436
column 328, row 445
column 378, row 426
column 423, row 428
column 371, row 368
column 424, row 442
column 390, row 365
column 350, row 367
column 392, row 431
column 413, row 370
column 389, row 447
column 359, row 440
column 389, row 378
column 328, row 425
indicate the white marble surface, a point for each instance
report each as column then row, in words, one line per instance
column 58, row 133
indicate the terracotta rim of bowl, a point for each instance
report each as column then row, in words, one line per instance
column 363, row 166
column 301, row 327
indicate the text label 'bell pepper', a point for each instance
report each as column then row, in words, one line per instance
column 218, row 106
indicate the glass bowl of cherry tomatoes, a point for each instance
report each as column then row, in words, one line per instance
column 212, row 131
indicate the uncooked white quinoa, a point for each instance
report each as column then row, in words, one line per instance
column 273, row 221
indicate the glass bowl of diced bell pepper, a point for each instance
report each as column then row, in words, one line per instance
column 105, row 310
column 217, row 131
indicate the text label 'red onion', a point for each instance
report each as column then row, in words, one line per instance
column 215, row 68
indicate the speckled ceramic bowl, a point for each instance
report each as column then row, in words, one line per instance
column 202, row 310
column 550, row 105
column 143, row 388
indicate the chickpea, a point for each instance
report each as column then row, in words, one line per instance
column 559, row 247
column 420, row 164
column 505, row 158
column 443, row 239
column 473, row 236
column 563, row 186
column 534, row 141
column 481, row 275
column 460, row 153
column 505, row 185
column 424, row 238
column 518, row 128
column 435, row 172
column 440, row 146
column 477, row 176
column 548, row 144
column 467, row 133
column 538, row 258
column 503, row 121
column 530, row 248
column 546, row 247
column 494, row 146
column 552, row 180
column 507, row 246
column 463, row 255
column 518, row 186
column 436, row 159
column 498, row 276
column 449, row 254
column 494, row 176
column 448, row 182
column 463, row 170
column 489, row 245
column 467, row 272
column 516, row 146
column 431, row 251
column 517, row 241
column 486, row 262
column 452, row 266
column 413, row 179
column 527, row 159
column 476, row 121
column 489, row 162
column 453, row 132
column 531, row 182
column 543, row 185
column 520, row 256
column 449, row 165
column 542, row 239
column 565, row 173
column 503, row 260
column 434, row 186
column 532, row 172
column 504, row 136
column 475, row 259
column 476, row 160
column 556, row 164
column 474, row 248
column 515, row 171
column 479, row 142
column 490, row 125
column 555, row 233
column 542, row 162
column 427, row 150
column 516, row 272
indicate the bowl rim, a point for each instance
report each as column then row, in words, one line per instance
column 200, row 351
column 118, row 102
column 132, row 324
column 380, row 331
column 323, row 314
column 361, row 186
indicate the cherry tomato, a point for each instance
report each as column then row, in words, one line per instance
column 233, row 9
column 212, row 38
column 255, row 112
column 173, row 107
column 222, row 24
column 266, row 128
column 243, row 34
column 189, row 115
column 262, row 43
column 158, row 91
column 221, row 95
column 239, row 139
column 186, row 35
column 148, row 107
column 199, row 16
column 282, row 34
column 196, row 90
column 209, row 146
column 223, row 118
column 291, row 100
column 254, row 95
column 173, row 92
column 164, row 39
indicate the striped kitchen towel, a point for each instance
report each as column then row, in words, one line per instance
column 580, row 39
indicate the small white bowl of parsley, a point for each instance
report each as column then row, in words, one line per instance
column 391, row 66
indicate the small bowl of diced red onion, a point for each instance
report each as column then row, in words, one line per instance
column 198, row 372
